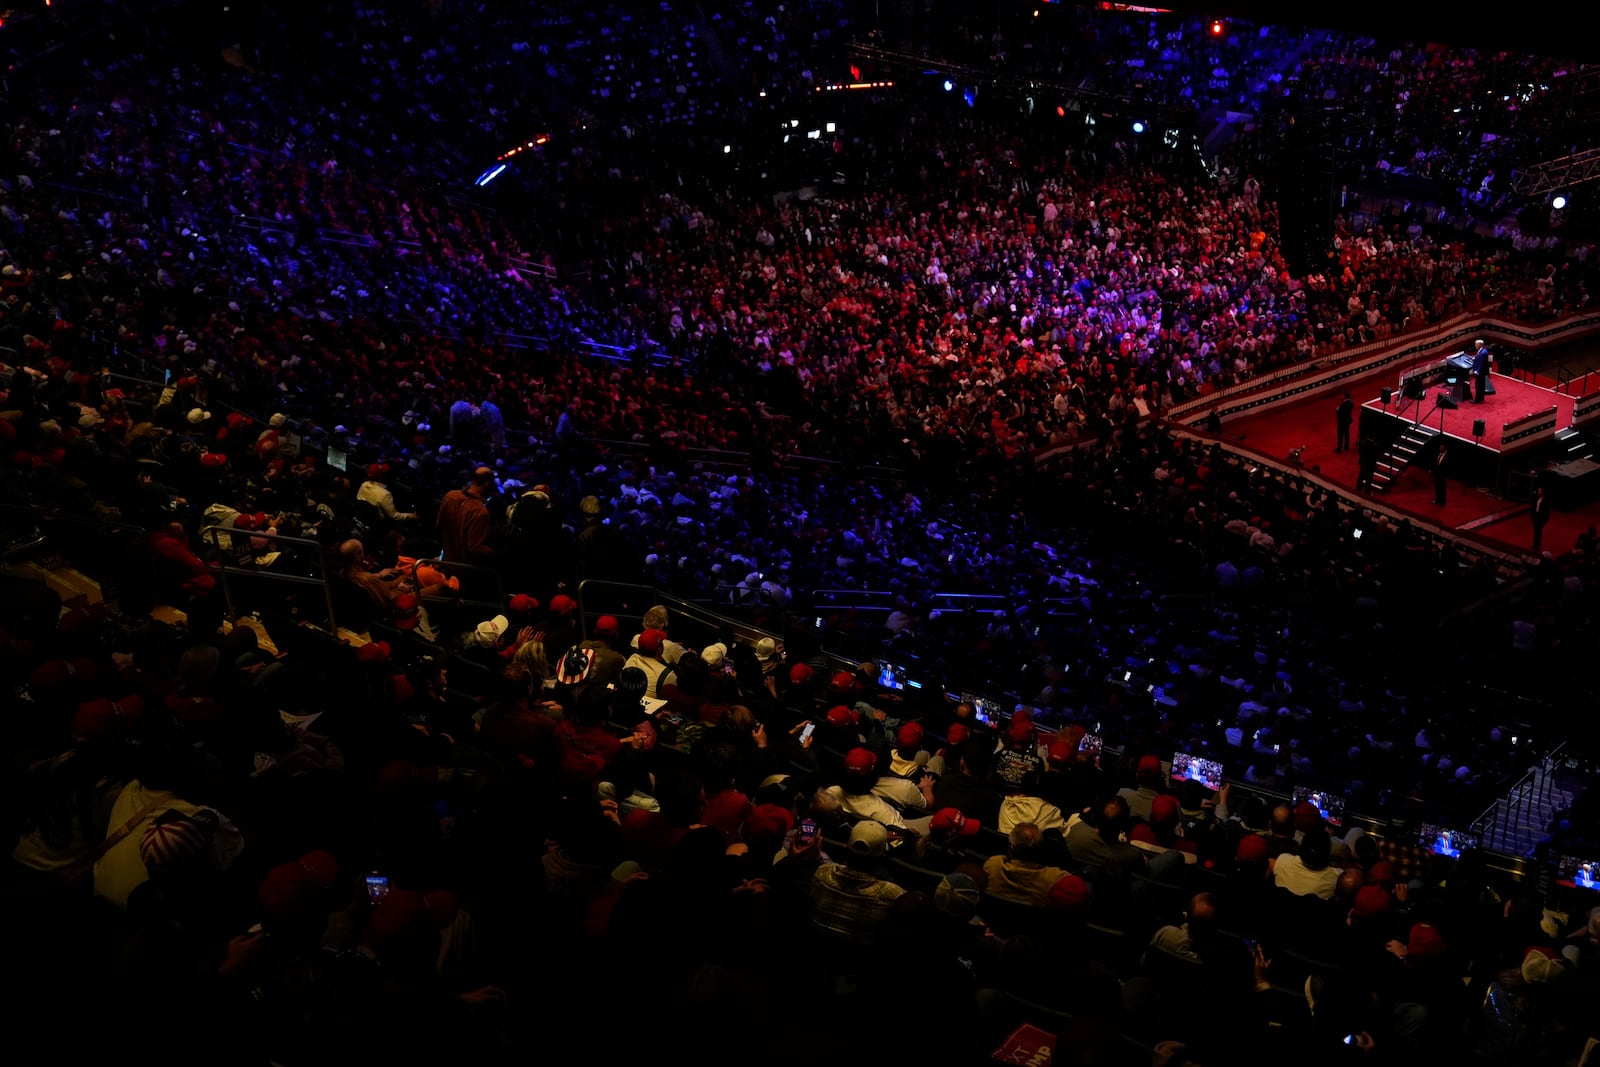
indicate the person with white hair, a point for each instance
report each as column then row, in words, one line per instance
column 656, row 619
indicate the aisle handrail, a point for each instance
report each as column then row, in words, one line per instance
column 210, row 535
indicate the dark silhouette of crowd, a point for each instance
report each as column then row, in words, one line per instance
column 698, row 627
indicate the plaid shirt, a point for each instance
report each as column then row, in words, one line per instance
column 850, row 903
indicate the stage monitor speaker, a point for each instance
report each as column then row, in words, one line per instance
column 1445, row 401
column 1478, row 428
column 1414, row 388
column 1385, row 395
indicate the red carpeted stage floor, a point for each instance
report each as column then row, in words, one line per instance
column 1504, row 524
column 1511, row 399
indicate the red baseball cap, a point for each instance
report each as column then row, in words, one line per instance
column 860, row 761
column 950, row 821
column 408, row 921
column 1252, row 849
column 651, row 642
column 1148, row 765
column 292, row 890
column 799, row 674
column 1164, row 811
column 1060, row 751
column 562, row 604
column 607, row 626
column 59, row 673
column 958, row 734
column 768, row 822
column 523, row 604
column 1370, row 900
column 1424, row 941
column 104, row 719
column 909, row 735
column 841, row 716
column 1069, row 894
column 843, row 681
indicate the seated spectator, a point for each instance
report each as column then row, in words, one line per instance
column 628, row 781
column 908, row 758
column 648, row 658
column 941, row 849
column 861, row 796
column 1161, row 836
column 375, row 493
column 1098, row 840
column 608, row 662
column 1051, row 964
column 1018, row 756
column 656, row 618
column 726, row 806
column 1198, row 933
column 1028, row 806
column 1282, row 836
column 1307, row 872
column 968, row 789
column 1021, row 875
column 905, row 784
column 150, row 822
column 1151, row 782
column 848, row 899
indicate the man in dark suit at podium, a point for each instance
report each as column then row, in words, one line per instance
column 1480, row 372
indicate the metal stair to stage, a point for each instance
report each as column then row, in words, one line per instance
column 1520, row 819
column 1574, row 444
column 1401, row 454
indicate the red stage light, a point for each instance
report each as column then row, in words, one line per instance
column 1218, row 28
column 855, row 73
column 1061, row 111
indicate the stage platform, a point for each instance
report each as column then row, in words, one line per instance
column 1511, row 403
column 1306, row 427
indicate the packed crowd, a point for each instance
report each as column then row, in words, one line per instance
column 1004, row 273
column 321, row 849
column 321, row 845
column 1460, row 118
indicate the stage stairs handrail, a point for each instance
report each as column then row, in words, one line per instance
column 1496, row 827
column 1404, row 451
